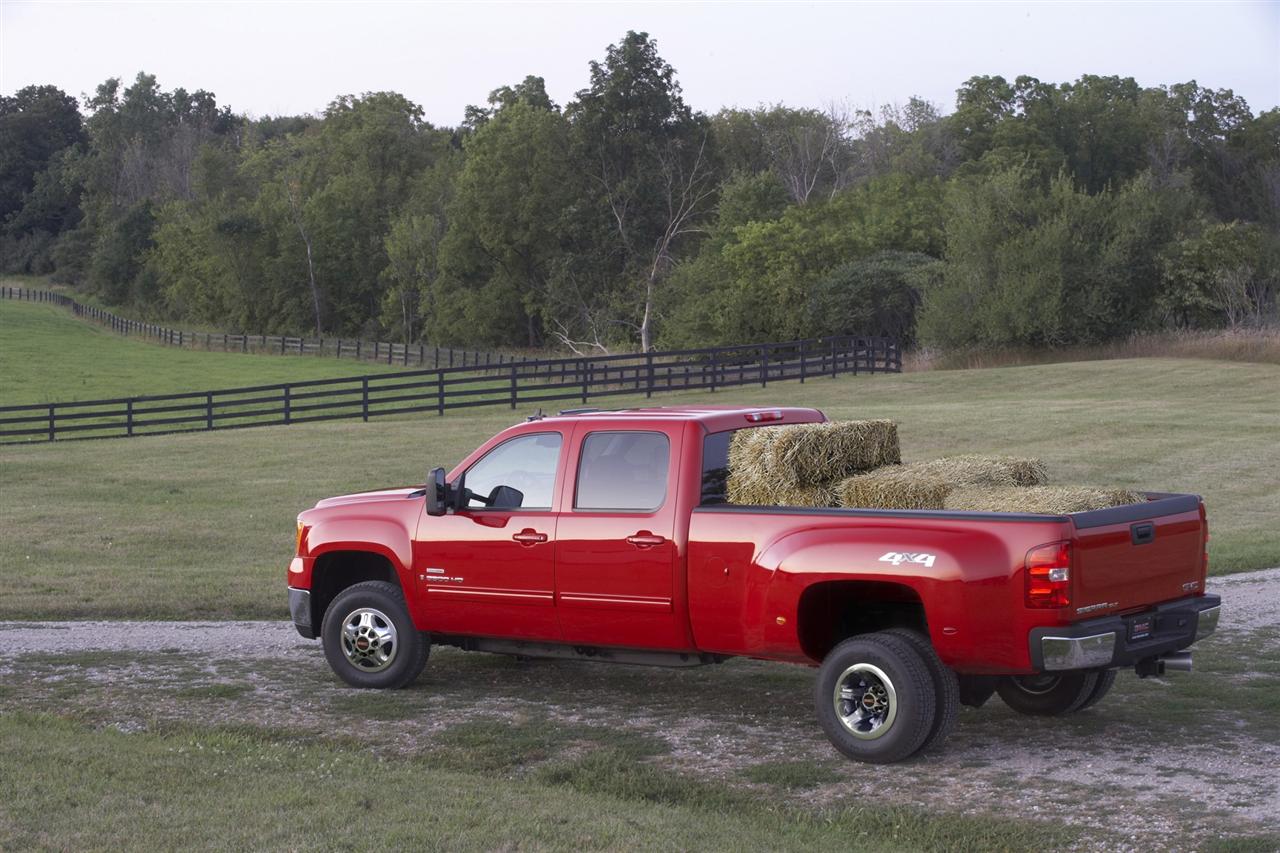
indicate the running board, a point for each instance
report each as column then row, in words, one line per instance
column 602, row 654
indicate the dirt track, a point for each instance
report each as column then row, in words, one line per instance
column 1169, row 762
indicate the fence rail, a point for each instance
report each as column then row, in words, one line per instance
column 384, row 352
column 529, row 382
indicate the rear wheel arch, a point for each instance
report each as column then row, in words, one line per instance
column 832, row 611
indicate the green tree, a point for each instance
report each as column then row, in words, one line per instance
column 651, row 176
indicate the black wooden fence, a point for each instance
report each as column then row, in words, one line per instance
column 516, row 383
column 420, row 355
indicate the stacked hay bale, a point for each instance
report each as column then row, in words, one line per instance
column 926, row 485
column 857, row 464
column 1053, row 500
column 799, row 465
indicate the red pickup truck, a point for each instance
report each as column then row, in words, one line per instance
column 606, row 535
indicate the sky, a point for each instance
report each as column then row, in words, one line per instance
column 271, row 58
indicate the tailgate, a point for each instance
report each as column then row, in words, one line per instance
column 1134, row 556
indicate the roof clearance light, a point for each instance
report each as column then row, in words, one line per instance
column 761, row 417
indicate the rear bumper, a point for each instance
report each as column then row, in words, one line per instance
column 300, row 610
column 1119, row 641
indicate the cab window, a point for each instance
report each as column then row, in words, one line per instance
column 624, row 471
column 525, row 465
column 715, row 468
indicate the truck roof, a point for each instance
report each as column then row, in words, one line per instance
column 712, row 418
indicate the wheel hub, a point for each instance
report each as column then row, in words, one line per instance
column 866, row 702
column 369, row 639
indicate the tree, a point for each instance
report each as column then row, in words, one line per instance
column 651, row 170
column 36, row 124
column 876, row 295
column 506, row 227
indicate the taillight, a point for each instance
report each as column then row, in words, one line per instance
column 1049, row 575
column 1204, row 558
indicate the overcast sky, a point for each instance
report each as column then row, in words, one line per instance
column 271, row 58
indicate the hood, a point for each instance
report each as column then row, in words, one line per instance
column 368, row 497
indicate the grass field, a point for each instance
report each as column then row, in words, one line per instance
column 47, row 355
column 201, row 525
column 249, row 789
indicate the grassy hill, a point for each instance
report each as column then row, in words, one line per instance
column 202, row 524
column 47, row 355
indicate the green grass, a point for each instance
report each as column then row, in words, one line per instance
column 201, row 525
column 49, row 356
column 67, row 786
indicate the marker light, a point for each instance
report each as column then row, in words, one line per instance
column 761, row 417
column 1049, row 575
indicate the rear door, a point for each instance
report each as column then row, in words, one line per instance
column 616, row 555
column 1137, row 555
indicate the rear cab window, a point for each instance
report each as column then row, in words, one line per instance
column 623, row 471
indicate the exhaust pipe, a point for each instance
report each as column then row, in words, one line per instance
column 1171, row 662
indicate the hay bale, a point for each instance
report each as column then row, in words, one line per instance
column 803, row 454
column 893, row 487
column 973, row 470
column 1038, row 499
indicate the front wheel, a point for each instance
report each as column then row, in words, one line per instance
column 1048, row 694
column 875, row 698
column 369, row 639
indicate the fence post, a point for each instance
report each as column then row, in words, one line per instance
column 833, row 358
column 648, row 358
column 513, row 385
column 288, row 407
column 714, row 373
column 51, row 422
column 802, row 361
column 439, row 387
column 208, row 410
column 582, row 369
column 364, row 395
column 764, row 366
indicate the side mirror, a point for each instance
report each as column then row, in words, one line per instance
column 505, row 497
column 437, row 493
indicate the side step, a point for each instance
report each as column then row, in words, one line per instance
column 601, row 654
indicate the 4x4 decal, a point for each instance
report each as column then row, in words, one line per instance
column 898, row 558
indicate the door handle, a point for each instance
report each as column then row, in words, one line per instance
column 645, row 539
column 529, row 536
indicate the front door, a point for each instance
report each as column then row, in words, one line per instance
column 615, row 552
column 488, row 569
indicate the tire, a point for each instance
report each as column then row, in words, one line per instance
column 946, row 689
column 1106, row 679
column 885, row 697
column 1049, row 694
column 369, row 639
column 975, row 690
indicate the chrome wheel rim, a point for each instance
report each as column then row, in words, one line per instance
column 865, row 700
column 1036, row 685
column 369, row 639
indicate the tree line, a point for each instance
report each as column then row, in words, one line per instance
column 1033, row 213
